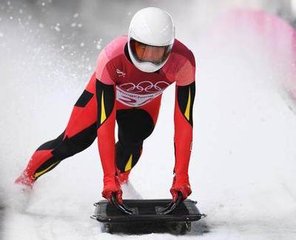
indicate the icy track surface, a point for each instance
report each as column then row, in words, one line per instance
column 243, row 160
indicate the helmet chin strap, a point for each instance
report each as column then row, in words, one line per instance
column 147, row 67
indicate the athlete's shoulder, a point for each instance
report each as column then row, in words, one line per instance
column 116, row 47
column 181, row 64
column 109, row 58
column 182, row 52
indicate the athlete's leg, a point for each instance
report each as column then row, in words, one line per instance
column 134, row 126
column 78, row 135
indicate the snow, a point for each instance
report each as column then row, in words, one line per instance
column 243, row 160
column 57, row 27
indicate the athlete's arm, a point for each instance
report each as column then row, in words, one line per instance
column 183, row 118
column 106, row 116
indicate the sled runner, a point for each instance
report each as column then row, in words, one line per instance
column 146, row 216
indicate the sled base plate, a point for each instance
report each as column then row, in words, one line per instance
column 147, row 216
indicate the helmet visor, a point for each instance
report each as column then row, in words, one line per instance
column 148, row 53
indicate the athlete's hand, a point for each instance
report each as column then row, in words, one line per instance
column 180, row 184
column 112, row 186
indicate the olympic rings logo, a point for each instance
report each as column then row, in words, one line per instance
column 144, row 87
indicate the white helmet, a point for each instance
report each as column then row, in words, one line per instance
column 150, row 38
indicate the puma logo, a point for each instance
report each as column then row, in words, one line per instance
column 120, row 73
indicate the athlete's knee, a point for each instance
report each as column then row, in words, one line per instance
column 127, row 155
column 52, row 144
column 134, row 125
column 70, row 146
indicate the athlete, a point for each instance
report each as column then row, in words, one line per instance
column 131, row 74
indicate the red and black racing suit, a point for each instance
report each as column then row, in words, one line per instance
column 118, row 91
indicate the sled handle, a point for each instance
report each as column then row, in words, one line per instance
column 171, row 207
column 120, row 206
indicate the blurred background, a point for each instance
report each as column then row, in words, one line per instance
column 78, row 29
